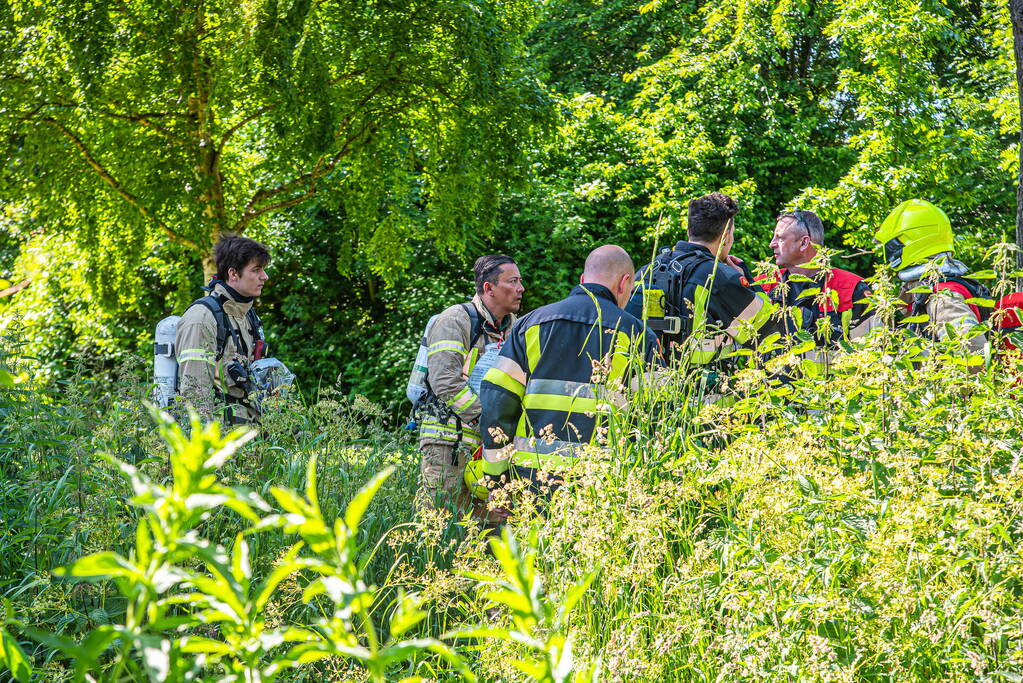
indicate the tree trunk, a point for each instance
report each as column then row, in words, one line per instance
column 1016, row 13
column 207, row 169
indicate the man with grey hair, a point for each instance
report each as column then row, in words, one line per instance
column 843, row 295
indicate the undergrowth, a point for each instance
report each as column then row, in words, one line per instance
column 863, row 522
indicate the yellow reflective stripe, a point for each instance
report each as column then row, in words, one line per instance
column 462, row 399
column 474, row 355
column 703, row 356
column 201, row 355
column 620, row 357
column 437, row 431
column 533, row 347
column 565, row 404
column 550, row 462
column 744, row 328
column 446, row 345
column 495, row 467
column 502, row 379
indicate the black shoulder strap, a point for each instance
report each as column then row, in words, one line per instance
column 475, row 322
column 255, row 324
column 213, row 303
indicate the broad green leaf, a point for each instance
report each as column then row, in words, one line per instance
column 13, row 658
column 357, row 508
column 102, row 565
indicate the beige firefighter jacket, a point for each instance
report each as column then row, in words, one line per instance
column 203, row 380
column 449, row 364
column 948, row 308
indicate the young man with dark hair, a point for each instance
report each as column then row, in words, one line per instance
column 449, row 427
column 666, row 290
column 219, row 335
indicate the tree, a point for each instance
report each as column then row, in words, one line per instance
column 133, row 126
column 1016, row 14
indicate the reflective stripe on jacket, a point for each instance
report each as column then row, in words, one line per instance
column 203, row 381
column 546, row 395
column 449, row 363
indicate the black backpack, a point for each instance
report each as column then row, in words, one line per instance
column 670, row 272
column 215, row 304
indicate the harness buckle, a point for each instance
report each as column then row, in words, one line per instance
column 668, row 325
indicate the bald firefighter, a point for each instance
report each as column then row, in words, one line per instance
column 548, row 391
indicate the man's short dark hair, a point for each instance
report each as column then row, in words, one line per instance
column 237, row 252
column 488, row 269
column 809, row 221
column 709, row 215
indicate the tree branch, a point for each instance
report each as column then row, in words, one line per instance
column 307, row 179
column 116, row 186
column 248, row 119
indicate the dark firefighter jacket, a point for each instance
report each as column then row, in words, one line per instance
column 840, row 292
column 735, row 308
column 549, row 389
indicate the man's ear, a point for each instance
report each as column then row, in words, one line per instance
column 624, row 282
column 582, row 278
column 232, row 273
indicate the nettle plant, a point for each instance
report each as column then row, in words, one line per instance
column 195, row 608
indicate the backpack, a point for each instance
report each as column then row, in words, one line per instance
column 215, row 304
column 418, row 390
column 165, row 364
column 663, row 284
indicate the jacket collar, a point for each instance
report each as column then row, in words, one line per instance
column 234, row 303
column 684, row 246
column 592, row 288
column 489, row 322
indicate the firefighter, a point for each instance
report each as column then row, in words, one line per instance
column 797, row 235
column 448, row 426
column 918, row 244
column 545, row 396
column 667, row 289
column 219, row 336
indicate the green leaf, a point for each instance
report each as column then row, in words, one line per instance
column 104, row 565
column 913, row 319
column 804, row 347
column 13, row 658
column 357, row 508
column 573, row 596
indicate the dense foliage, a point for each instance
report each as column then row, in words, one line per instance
column 864, row 523
column 861, row 523
column 842, row 106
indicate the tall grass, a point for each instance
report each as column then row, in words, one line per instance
column 859, row 524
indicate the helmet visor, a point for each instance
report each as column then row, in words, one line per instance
column 893, row 252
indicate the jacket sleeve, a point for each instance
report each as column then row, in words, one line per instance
column 948, row 309
column 445, row 364
column 196, row 349
column 501, row 393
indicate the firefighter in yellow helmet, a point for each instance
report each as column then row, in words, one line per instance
column 918, row 244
